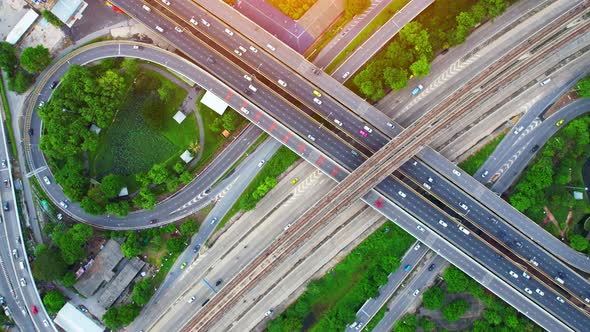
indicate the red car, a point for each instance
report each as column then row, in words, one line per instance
column 34, row 309
column 379, row 202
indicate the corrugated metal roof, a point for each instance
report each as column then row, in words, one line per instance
column 213, row 102
column 22, row 26
column 73, row 320
column 64, row 9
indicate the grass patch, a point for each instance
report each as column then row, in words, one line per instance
column 331, row 302
column 143, row 132
column 474, row 162
column 8, row 116
column 213, row 141
column 376, row 319
column 275, row 166
column 375, row 24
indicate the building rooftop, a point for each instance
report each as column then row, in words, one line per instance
column 276, row 23
column 101, row 270
column 213, row 102
column 73, row 320
column 116, row 286
column 21, row 27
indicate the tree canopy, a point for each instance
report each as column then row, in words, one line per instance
column 35, row 59
column 53, row 301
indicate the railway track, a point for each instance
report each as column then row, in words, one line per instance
column 373, row 171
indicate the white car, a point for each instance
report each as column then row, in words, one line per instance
column 560, row 299
column 159, row 28
column 166, row 2
column 456, row 172
column 248, row 77
column 268, row 313
column 484, row 174
column 514, row 275
column 253, row 49
column 427, row 186
column 540, row 292
column 242, row 48
column 534, row 262
column 205, row 23
column 282, row 83
column 147, row 8
column 270, row 47
column 214, row 220
column 338, row 122
column 252, row 87
column 311, row 137
column 63, row 204
column 464, row 230
column 193, row 21
column 389, row 124
column 46, row 180
column 23, row 282
column 463, row 206
column 528, row 290
column 42, row 103
column 416, row 292
column 45, row 323
column 245, row 110
column 192, row 299
column 346, row 74
column 402, row 194
column 417, row 246
column 442, row 223
column 317, row 101
column 524, row 274
column 287, row 227
column 260, row 163
column 430, row 180
column 420, row 228
column 229, row 32
column 238, row 52
column 59, row 216
column 369, row 130
column 178, row 29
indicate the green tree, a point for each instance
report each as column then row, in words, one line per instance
column 40, row 248
column 142, row 292
column 133, row 245
column 229, row 119
column 111, row 318
column 21, row 82
column 159, row 173
column 7, row 57
column 583, row 86
column 454, row 310
column 145, row 199
column 120, row 209
column 68, row 279
column 406, row 324
column 185, row 177
column 111, row 185
column 189, row 227
column 35, row 59
column 433, row 298
column 92, row 207
column 176, row 245
column 456, row 280
column 397, row 79
column 49, row 265
column 426, row 324
column 166, row 91
column 578, row 242
column 73, row 179
column 71, row 242
column 178, row 167
column 216, row 126
column 495, row 7
column 53, row 301
column 51, row 18
column 421, row 67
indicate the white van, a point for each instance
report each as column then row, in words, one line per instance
column 22, row 265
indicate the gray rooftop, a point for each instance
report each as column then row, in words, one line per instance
column 115, row 287
column 102, row 270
